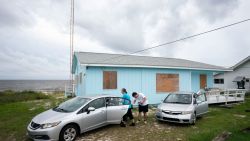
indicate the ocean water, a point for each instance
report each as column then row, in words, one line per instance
column 34, row 85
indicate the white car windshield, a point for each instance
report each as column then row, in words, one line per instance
column 71, row 105
column 179, row 98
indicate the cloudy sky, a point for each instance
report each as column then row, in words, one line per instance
column 34, row 35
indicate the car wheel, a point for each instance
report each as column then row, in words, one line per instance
column 194, row 119
column 69, row 133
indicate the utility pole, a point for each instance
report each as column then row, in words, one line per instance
column 71, row 45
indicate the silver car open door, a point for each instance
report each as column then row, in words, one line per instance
column 116, row 109
column 202, row 104
column 96, row 117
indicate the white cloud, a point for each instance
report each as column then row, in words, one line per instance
column 34, row 39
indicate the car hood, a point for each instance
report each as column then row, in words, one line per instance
column 50, row 116
column 175, row 107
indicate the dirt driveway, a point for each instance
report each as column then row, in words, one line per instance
column 151, row 131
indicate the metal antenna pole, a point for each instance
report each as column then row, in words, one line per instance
column 71, row 44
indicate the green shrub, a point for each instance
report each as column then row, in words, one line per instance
column 12, row 96
column 247, row 93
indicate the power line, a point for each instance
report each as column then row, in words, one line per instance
column 181, row 39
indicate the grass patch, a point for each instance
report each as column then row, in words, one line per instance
column 15, row 117
column 247, row 93
column 18, row 108
column 240, row 135
column 13, row 96
column 219, row 120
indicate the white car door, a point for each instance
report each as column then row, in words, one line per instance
column 94, row 119
column 115, row 109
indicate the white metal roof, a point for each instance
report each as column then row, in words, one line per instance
column 240, row 63
column 119, row 60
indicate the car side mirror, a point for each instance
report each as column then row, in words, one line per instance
column 90, row 109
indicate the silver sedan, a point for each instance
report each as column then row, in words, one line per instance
column 75, row 116
column 182, row 107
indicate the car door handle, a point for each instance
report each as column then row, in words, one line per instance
column 123, row 109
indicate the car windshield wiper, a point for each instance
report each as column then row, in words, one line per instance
column 174, row 102
column 61, row 109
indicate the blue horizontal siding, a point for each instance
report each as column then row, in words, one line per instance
column 138, row 80
column 80, row 88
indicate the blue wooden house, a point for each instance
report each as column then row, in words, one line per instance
column 102, row 73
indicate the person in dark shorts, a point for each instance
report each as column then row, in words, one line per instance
column 143, row 105
column 129, row 113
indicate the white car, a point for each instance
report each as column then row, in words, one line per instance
column 182, row 107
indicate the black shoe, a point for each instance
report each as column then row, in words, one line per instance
column 122, row 124
column 132, row 124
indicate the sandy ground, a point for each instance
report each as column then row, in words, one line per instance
column 153, row 130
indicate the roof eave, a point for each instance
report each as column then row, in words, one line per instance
column 165, row 67
column 240, row 63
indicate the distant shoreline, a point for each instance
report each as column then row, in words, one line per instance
column 42, row 91
column 45, row 86
column 33, row 80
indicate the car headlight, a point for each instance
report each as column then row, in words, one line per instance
column 49, row 125
column 186, row 112
column 158, row 110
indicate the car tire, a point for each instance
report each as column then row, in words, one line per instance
column 69, row 133
column 194, row 119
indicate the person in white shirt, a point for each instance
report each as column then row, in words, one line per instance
column 143, row 105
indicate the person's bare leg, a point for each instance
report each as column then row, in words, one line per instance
column 132, row 119
column 133, row 122
column 145, row 117
column 139, row 117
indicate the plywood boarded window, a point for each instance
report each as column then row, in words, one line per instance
column 167, row 82
column 109, row 80
column 203, row 81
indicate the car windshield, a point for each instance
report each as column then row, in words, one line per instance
column 179, row 98
column 71, row 105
